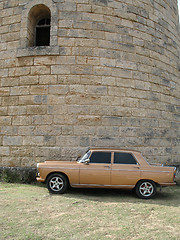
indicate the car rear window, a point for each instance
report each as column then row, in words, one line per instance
column 124, row 158
column 100, row 157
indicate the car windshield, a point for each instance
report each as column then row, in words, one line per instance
column 84, row 157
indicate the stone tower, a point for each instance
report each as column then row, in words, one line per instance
column 80, row 73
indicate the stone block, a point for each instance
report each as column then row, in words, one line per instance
column 116, row 91
column 98, row 90
column 42, row 119
column 91, row 80
column 64, row 141
column 12, row 140
column 49, row 141
column 78, row 109
column 19, row 90
column 47, row 79
column 107, row 131
column 36, row 109
column 84, row 8
column 21, row 120
column 40, row 70
column 9, row 130
column 17, row 110
column 26, row 130
column 105, row 141
column 58, row 89
column 33, row 140
column 110, row 101
column 67, row 130
column 129, row 131
column 23, row 62
column 84, row 141
column 3, row 111
column 39, row 90
column 29, row 80
column 56, row 109
column 60, row 69
column 44, row 60
column 22, row 151
column 71, row 79
column 64, row 119
column 109, row 81
column 85, row 70
column 19, row 71
column 83, row 99
column 4, row 151
column 9, row 82
column 83, row 130
column 31, row 99
column 4, row 91
column 88, row 120
column 55, row 100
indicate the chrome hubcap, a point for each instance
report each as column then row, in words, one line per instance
column 56, row 184
column 146, row 189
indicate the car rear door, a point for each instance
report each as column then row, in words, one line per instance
column 98, row 170
column 126, row 171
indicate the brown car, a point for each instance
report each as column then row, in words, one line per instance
column 107, row 168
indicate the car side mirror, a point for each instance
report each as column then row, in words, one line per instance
column 86, row 161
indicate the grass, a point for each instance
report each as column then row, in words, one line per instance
column 30, row 212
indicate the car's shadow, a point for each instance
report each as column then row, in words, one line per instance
column 167, row 196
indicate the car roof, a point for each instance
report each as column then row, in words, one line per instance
column 112, row 149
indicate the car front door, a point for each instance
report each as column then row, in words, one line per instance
column 125, row 170
column 97, row 171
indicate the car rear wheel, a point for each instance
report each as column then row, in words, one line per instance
column 57, row 183
column 146, row 189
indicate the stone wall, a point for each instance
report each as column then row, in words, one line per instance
column 110, row 77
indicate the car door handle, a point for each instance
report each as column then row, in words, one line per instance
column 137, row 167
column 107, row 166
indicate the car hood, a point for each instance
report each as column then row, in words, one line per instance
column 57, row 163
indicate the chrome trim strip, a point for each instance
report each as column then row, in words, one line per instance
column 60, row 168
column 155, row 171
column 141, row 170
column 101, row 185
column 125, row 170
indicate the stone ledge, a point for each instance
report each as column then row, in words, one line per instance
column 38, row 51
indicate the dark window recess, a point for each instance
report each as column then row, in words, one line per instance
column 43, row 33
column 124, row 158
column 100, row 157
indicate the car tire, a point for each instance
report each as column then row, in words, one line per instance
column 146, row 189
column 57, row 183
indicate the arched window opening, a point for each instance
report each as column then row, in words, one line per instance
column 43, row 32
column 39, row 26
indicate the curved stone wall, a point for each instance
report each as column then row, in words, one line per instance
column 110, row 77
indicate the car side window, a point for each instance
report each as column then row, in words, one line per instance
column 124, row 158
column 100, row 157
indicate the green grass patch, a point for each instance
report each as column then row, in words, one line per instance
column 30, row 212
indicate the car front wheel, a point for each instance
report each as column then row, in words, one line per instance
column 146, row 189
column 57, row 183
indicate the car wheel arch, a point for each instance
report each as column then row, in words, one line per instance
column 51, row 173
column 140, row 180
